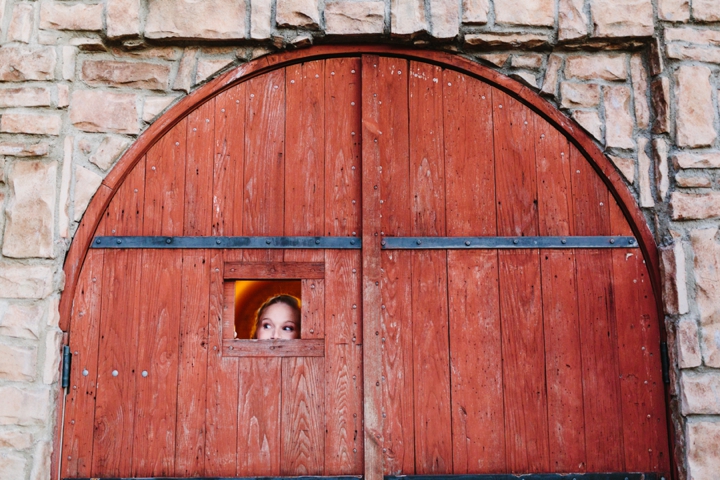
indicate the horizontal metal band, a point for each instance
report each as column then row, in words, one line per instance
column 468, row 243
column 533, row 476
column 304, row 477
column 228, row 242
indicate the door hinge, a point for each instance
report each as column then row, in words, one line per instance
column 66, row 361
column 665, row 361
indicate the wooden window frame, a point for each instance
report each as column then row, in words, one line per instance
column 234, row 347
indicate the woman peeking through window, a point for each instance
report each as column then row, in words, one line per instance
column 277, row 318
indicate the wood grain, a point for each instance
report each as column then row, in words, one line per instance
column 275, row 270
column 311, row 347
column 313, row 308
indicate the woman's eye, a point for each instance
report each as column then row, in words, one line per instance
column 289, row 329
column 266, row 326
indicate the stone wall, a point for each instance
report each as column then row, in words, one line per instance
column 79, row 80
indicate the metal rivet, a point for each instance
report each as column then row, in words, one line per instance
column 563, row 241
column 419, row 242
column 352, row 71
column 85, row 373
column 467, row 242
column 516, row 241
column 144, row 373
column 354, row 450
column 353, row 202
column 352, row 103
column 268, row 241
column 217, row 241
column 612, row 240
column 312, row 330
column 631, row 241
column 97, row 241
column 72, row 422
column 168, row 240
column 383, row 243
column 312, row 287
column 115, row 373
column 377, row 283
column 354, row 270
column 352, row 133
column 317, row 241
column 194, row 129
column 119, row 241
column 375, row 187
column 354, row 306
column 352, row 242
column 332, row 73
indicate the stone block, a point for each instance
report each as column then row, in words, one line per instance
column 18, row 363
column 445, row 24
column 186, row 69
column 297, row 13
column 662, row 171
column 619, row 123
column 25, row 97
column 98, row 111
column 695, row 115
column 674, row 10
column 626, row 167
column 688, row 346
column 109, row 151
column 539, row 13
column 707, row 270
column 69, row 55
column 550, row 82
column 53, row 349
column 532, row 61
column 590, row 121
column 407, row 18
column 154, row 106
column 219, row 19
column 31, row 123
column 21, row 23
column 700, row 393
column 29, row 229
column 707, row 54
column 660, row 97
column 610, row 67
column 622, row 18
column 710, row 345
column 151, row 76
column 20, row 321
column 526, row 77
column 692, row 181
column 12, row 149
column 78, row 16
column 572, row 20
column 16, row 439
column 122, row 18
column 19, row 63
column 644, row 167
column 578, row 95
column 497, row 59
column 638, row 74
column 696, row 160
column 260, row 19
column 24, row 406
column 63, row 96
column 475, row 12
column 507, row 40
column 208, row 67
column 700, row 36
column 63, row 215
column 86, row 184
column 706, row 10
column 693, row 206
column 25, row 281
column 703, row 449
column 12, row 465
column 41, row 461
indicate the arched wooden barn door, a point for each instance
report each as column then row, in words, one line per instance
column 473, row 296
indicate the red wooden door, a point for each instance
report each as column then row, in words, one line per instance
column 433, row 361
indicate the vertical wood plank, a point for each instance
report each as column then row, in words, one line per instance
column 313, row 308
column 525, row 397
column 344, row 449
column 475, row 341
column 598, row 330
column 221, row 419
column 431, row 349
column 160, row 306
column 372, row 350
column 305, row 155
column 560, row 307
column 119, row 324
column 192, row 372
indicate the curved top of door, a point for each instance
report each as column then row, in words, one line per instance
column 571, row 130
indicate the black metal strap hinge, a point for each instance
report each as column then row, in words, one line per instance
column 665, row 361
column 469, row 243
column 163, row 242
column 66, row 361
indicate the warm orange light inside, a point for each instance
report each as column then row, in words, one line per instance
column 251, row 294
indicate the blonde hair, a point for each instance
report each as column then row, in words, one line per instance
column 289, row 300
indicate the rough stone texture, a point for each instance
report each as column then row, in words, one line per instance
column 69, row 55
column 706, row 10
column 25, row 281
column 700, row 54
column 208, row 67
column 260, row 19
column 622, row 18
column 407, row 17
column 596, row 67
column 24, row 406
column 475, row 12
column 21, row 23
column 514, row 40
column 86, row 184
column 53, row 347
column 41, row 461
column 640, row 89
column 63, row 96
column 19, row 63
column 674, row 10
column 618, row 121
column 572, row 20
column 688, row 346
column 700, row 393
column 153, row 107
column 30, row 215
column 446, row 19
column 688, row 206
column 539, row 13
column 703, row 444
column 577, row 95
column 79, row 16
column 17, row 439
column 532, row 61
column 692, row 181
column 707, row 280
column 497, row 59
column 184, row 78
column 123, row 18
column 219, row 19
column 63, row 217
column 550, row 82
column 695, row 116
column 626, row 167
column 20, row 321
column 660, row 94
column 25, row 97
column 590, row 121
column 18, row 363
column 700, row 36
column 662, row 169
column 644, row 166
column 298, row 13
column 98, row 111
column 696, row 160
column 109, row 151
column 12, row 465
column 24, row 150
column 145, row 75
column 357, row 18
column 31, row 123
